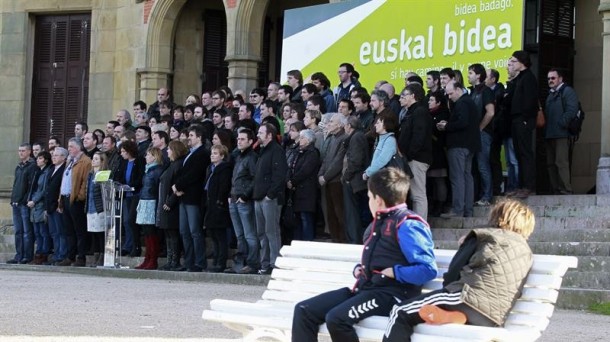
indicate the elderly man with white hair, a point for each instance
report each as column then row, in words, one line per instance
column 51, row 195
column 330, row 174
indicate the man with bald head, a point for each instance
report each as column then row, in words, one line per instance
column 163, row 94
column 394, row 99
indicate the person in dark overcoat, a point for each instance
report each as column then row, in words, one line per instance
column 302, row 179
column 217, row 219
column 168, row 214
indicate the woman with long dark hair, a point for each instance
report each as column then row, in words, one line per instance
column 168, row 214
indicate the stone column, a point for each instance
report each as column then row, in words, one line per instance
column 151, row 80
column 603, row 168
column 244, row 41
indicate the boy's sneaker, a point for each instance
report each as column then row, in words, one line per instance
column 432, row 314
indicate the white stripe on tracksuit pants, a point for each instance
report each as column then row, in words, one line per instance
column 439, row 297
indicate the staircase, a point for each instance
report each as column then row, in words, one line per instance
column 577, row 225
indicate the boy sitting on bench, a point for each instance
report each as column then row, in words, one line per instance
column 483, row 281
column 397, row 260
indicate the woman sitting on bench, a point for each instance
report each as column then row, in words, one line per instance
column 483, row 281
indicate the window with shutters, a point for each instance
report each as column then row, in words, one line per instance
column 60, row 85
column 214, row 50
column 263, row 67
column 556, row 39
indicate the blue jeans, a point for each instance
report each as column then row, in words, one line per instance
column 512, row 165
column 242, row 216
column 485, row 167
column 460, row 175
column 24, row 233
column 307, row 229
column 267, row 212
column 60, row 246
column 191, row 230
column 43, row 238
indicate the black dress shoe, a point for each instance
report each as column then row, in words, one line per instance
column 194, row 269
column 12, row 262
column 25, row 261
column 178, row 268
column 124, row 253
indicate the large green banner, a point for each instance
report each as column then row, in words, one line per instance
column 385, row 39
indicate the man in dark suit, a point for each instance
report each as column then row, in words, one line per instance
column 51, row 202
column 463, row 141
column 189, row 187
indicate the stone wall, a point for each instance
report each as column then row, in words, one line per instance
column 587, row 82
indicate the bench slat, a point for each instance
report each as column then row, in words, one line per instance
column 541, row 295
column 319, row 277
column 547, row 281
column 533, row 308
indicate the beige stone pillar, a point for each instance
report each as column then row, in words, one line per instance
column 603, row 168
column 244, row 40
column 150, row 80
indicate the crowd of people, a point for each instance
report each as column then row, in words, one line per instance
column 288, row 162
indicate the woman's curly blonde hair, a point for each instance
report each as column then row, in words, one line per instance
column 514, row 216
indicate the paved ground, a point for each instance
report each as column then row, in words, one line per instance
column 48, row 306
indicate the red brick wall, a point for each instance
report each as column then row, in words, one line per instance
column 147, row 8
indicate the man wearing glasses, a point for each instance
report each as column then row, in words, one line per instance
column 561, row 107
column 257, row 96
column 415, row 143
column 342, row 91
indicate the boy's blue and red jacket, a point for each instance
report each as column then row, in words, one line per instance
column 400, row 239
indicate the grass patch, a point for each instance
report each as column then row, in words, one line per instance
column 600, row 308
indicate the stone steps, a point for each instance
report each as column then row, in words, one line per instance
column 588, row 280
column 581, row 298
column 542, row 222
column 554, row 248
column 539, row 235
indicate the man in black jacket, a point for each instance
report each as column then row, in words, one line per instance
column 24, row 231
column 51, row 202
column 463, row 141
column 241, row 206
column 189, row 187
column 415, row 143
column 268, row 195
column 524, row 106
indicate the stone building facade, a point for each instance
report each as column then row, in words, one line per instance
column 138, row 46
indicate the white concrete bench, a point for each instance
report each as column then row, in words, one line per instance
column 306, row 269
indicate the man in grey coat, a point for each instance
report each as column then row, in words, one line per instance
column 355, row 200
column 561, row 107
column 330, row 175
